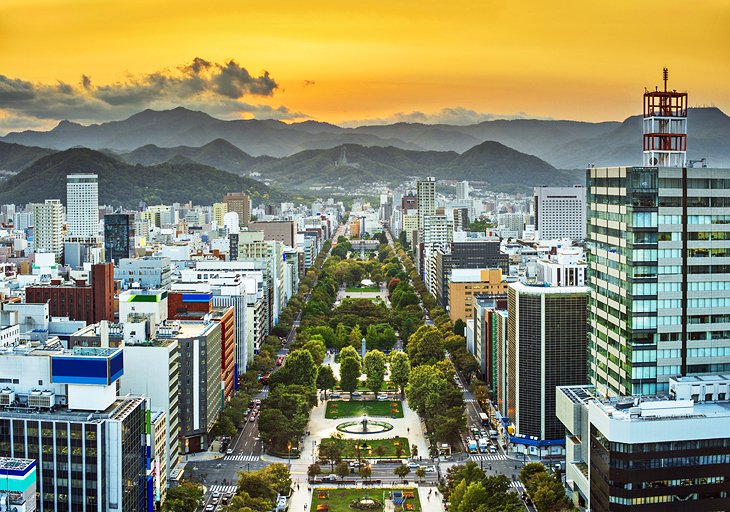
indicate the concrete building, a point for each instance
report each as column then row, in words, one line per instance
column 119, row 237
column 426, row 193
column 147, row 272
column 219, row 212
column 560, row 212
column 466, row 285
column 47, row 227
column 546, row 348
column 512, row 222
column 567, row 267
column 462, row 190
column 82, row 205
column 284, row 231
column 240, row 203
column 643, row 453
column 78, row 300
column 62, row 410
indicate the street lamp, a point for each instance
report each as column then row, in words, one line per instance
column 288, row 446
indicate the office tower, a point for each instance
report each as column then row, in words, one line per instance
column 460, row 218
column 61, row 409
column 17, row 484
column 78, row 299
column 462, row 190
column 426, row 194
column 649, row 453
column 284, row 231
column 512, row 222
column 219, row 212
column 119, row 233
column 48, row 224
column 546, row 348
column 240, row 203
column 82, row 204
column 560, row 212
column 409, row 202
column 467, row 285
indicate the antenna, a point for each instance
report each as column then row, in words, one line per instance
column 665, row 73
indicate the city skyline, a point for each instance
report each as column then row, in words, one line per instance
column 339, row 63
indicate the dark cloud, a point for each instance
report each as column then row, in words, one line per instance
column 458, row 116
column 217, row 88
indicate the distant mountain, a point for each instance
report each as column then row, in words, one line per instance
column 219, row 153
column 124, row 184
column 563, row 144
column 709, row 133
column 14, row 157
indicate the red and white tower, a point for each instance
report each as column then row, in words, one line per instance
column 665, row 127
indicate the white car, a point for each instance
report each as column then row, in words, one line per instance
column 383, row 397
column 413, row 465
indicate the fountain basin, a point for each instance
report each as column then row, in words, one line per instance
column 372, row 427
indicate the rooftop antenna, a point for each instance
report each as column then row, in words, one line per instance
column 665, row 73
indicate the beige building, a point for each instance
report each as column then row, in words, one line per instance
column 219, row 211
column 466, row 283
column 284, row 231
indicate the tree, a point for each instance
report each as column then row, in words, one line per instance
column 316, row 347
column 355, row 337
column 300, row 369
column 349, row 374
column 365, row 471
column 426, row 346
column 374, row 364
column 546, row 491
column 379, row 450
column 224, row 427
column 350, row 351
column 400, row 369
column 342, row 469
column 326, row 379
column 459, row 327
column 421, row 473
column 183, row 498
column 313, row 470
column 279, row 476
column 341, row 336
column 402, row 470
column 414, row 451
column 257, row 484
column 331, row 449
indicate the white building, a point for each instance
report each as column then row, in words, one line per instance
column 560, row 212
column 82, row 204
column 566, row 268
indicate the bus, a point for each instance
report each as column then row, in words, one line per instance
column 484, row 419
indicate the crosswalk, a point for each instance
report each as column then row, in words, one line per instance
column 516, row 484
column 223, row 488
column 470, row 400
column 243, row 458
column 486, row 457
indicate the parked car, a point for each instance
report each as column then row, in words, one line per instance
column 356, row 394
column 413, row 465
column 335, row 395
column 229, row 452
column 383, row 397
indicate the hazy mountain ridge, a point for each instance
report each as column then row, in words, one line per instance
column 15, row 157
column 121, row 183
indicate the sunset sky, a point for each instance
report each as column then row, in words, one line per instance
column 454, row 61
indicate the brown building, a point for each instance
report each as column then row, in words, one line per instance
column 240, row 203
column 466, row 284
column 79, row 300
column 278, row 230
column 195, row 306
column 409, row 203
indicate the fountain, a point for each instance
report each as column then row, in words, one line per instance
column 364, row 423
column 364, row 426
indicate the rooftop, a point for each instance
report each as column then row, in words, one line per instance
column 12, row 464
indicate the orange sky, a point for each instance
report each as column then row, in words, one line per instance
column 562, row 59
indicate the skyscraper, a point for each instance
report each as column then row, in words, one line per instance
column 560, row 212
column 240, row 203
column 48, row 223
column 462, row 190
column 82, row 204
column 119, row 235
column 426, row 193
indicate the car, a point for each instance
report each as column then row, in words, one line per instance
column 355, row 394
column 209, row 508
column 354, row 465
column 279, row 360
column 214, row 501
column 430, row 469
column 492, row 449
column 252, row 418
column 329, row 478
column 484, row 432
column 258, row 401
column 335, row 395
column 216, row 494
column 413, row 465
column 383, row 397
column 229, row 452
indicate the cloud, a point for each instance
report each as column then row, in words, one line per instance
column 217, row 88
column 459, row 116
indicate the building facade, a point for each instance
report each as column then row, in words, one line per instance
column 560, row 212
column 240, row 203
column 119, row 234
column 82, row 205
column 47, row 227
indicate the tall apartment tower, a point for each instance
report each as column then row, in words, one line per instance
column 48, row 223
column 462, row 190
column 560, row 212
column 426, row 194
column 82, row 204
column 658, row 266
column 119, row 233
column 240, row 203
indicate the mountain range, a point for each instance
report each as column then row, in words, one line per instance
column 562, row 144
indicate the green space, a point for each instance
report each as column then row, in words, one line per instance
column 366, row 289
column 387, row 385
column 337, row 409
column 339, row 500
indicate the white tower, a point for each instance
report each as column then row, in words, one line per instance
column 665, row 127
column 82, row 204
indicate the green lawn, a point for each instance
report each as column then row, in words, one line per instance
column 368, row 448
column 366, row 289
column 338, row 500
column 337, row 409
column 387, row 386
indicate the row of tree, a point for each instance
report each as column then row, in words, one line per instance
column 469, row 489
column 545, row 489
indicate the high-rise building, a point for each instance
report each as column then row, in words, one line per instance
column 17, row 484
column 147, row 272
column 409, row 202
column 119, row 233
column 82, row 204
column 462, row 190
column 239, row 202
column 284, row 231
column 48, row 226
column 546, row 348
column 668, row 453
column 560, row 212
column 466, row 285
column 219, row 212
column 426, row 193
